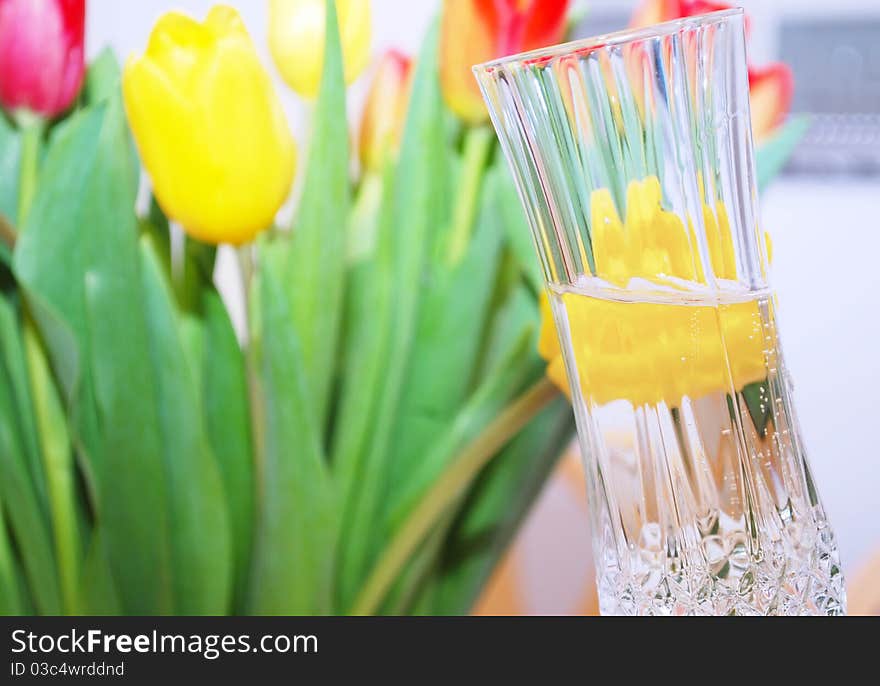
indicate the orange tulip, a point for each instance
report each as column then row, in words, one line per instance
column 475, row 31
column 770, row 88
column 385, row 109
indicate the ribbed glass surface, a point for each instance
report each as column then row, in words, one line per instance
column 633, row 157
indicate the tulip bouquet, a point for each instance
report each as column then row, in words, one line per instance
column 371, row 441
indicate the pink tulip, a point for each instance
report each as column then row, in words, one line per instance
column 41, row 54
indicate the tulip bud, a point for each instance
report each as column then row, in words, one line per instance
column 385, row 109
column 41, row 54
column 296, row 39
column 475, row 31
column 770, row 88
column 209, row 127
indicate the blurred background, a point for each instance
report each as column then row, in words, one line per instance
column 822, row 213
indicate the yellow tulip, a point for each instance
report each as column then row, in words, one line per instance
column 209, row 127
column 296, row 39
column 652, row 352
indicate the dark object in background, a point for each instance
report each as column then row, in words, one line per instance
column 836, row 65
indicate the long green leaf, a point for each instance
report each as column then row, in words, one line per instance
column 446, row 491
column 368, row 324
column 83, row 217
column 27, row 518
column 200, row 539
column 98, row 588
column 296, row 520
column 512, row 328
column 316, row 263
column 447, row 343
column 516, row 228
column 415, row 211
column 229, row 430
column 12, row 353
column 10, row 593
column 498, row 388
column 496, row 391
column 59, row 469
column 495, row 509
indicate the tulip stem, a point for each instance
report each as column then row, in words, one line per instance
column 477, row 146
column 32, row 134
column 446, row 490
column 252, row 373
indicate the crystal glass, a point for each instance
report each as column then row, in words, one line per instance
column 633, row 157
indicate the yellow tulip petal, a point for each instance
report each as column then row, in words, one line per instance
column 296, row 40
column 225, row 22
column 209, row 127
column 356, row 33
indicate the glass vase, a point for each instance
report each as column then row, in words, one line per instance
column 633, row 157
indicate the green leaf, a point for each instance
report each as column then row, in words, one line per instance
column 98, row 591
column 102, row 78
column 515, row 313
column 496, row 507
column 201, row 547
column 775, row 152
column 12, row 353
column 297, row 517
column 445, row 493
column 446, row 347
column 464, row 426
column 91, row 315
column 516, row 228
column 10, row 593
column 510, row 376
column 316, row 263
column 10, row 164
column 368, row 323
column 411, row 587
column 25, row 513
column 59, row 469
column 405, row 235
column 227, row 414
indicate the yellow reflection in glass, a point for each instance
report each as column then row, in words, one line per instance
column 648, row 352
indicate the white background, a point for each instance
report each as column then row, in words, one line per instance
column 826, row 271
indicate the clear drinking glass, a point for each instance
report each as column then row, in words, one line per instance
column 633, row 157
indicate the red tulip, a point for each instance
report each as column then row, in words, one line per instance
column 770, row 88
column 42, row 61
column 475, row 31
